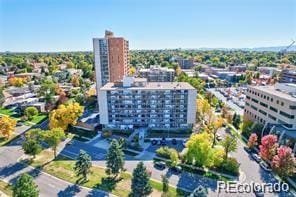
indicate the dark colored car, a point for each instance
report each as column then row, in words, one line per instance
column 247, row 149
column 259, row 193
column 159, row 165
column 174, row 141
column 154, row 142
column 176, row 169
column 256, row 157
column 265, row 166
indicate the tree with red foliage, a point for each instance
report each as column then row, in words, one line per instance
column 252, row 140
column 284, row 162
column 268, row 147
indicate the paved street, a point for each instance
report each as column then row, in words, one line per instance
column 49, row 186
column 233, row 106
column 251, row 169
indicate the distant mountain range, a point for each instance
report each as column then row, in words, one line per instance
column 260, row 49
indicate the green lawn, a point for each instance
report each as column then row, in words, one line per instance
column 7, row 112
column 6, row 188
column 62, row 168
column 38, row 119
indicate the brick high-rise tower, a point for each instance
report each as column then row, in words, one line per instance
column 111, row 58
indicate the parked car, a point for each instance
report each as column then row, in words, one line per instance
column 18, row 124
column 256, row 157
column 162, row 142
column 154, row 142
column 159, row 165
column 259, row 193
column 247, row 149
column 218, row 137
column 265, row 166
column 184, row 142
column 176, row 169
column 174, row 141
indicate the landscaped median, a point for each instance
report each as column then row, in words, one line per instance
column 63, row 168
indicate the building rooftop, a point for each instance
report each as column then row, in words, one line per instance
column 153, row 86
column 157, row 68
column 285, row 91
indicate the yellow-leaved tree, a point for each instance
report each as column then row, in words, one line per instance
column 65, row 115
column 7, row 126
column 132, row 70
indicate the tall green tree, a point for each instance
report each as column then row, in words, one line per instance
column 25, row 187
column 165, row 183
column 229, row 144
column 30, row 112
column 83, row 165
column 32, row 147
column 236, row 120
column 53, row 138
column 114, row 159
column 140, row 182
column 47, row 90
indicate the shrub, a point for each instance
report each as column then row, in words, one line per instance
column 163, row 152
column 231, row 165
column 30, row 112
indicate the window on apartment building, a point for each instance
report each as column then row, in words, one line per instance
column 264, row 104
column 282, row 103
column 273, row 109
column 271, row 99
column 255, row 108
column 277, row 102
column 292, row 107
column 262, row 112
column 287, row 115
column 255, row 100
column 247, row 97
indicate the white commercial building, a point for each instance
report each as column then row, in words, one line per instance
column 136, row 103
column 274, row 107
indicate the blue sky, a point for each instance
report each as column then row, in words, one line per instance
column 70, row 25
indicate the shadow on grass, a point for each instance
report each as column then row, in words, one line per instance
column 108, row 184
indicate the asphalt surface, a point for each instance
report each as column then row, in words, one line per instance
column 229, row 103
column 11, row 169
column 251, row 170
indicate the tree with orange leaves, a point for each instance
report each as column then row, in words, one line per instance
column 7, row 126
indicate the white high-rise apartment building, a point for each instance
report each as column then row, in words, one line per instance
column 136, row 103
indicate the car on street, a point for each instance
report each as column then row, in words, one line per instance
column 176, row 169
column 265, row 166
column 259, row 193
column 256, row 157
column 247, row 149
column 159, row 165
column 69, row 143
column 218, row 137
column 18, row 124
